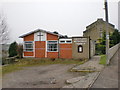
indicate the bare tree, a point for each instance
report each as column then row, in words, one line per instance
column 4, row 34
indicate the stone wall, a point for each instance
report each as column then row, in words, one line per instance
column 112, row 51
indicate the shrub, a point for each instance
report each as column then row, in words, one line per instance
column 100, row 49
column 13, row 49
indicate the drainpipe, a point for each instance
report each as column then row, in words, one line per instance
column 58, row 49
column 89, row 48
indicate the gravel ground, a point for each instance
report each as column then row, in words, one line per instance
column 49, row 76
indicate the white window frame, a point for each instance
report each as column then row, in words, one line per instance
column 62, row 40
column 65, row 41
column 28, row 48
column 69, row 40
column 48, row 46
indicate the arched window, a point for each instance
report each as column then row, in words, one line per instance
column 80, row 49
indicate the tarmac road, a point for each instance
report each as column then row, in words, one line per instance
column 109, row 76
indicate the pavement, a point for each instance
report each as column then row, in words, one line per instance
column 109, row 76
column 92, row 67
column 89, row 66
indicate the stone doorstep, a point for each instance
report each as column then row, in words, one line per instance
column 84, row 82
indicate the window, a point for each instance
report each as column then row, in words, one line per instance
column 28, row 46
column 65, row 41
column 80, row 48
column 69, row 41
column 52, row 46
column 62, row 41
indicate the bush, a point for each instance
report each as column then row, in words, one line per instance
column 100, row 49
column 13, row 49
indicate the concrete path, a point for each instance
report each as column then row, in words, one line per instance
column 91, row 65
column 109, row 76
column 86, row 81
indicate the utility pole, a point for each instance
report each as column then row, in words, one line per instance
column 107, row 31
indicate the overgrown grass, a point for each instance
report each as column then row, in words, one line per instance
column 26, row 62
column 103, row 60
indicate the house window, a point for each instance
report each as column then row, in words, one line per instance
column 80, row 49
column 28, row 46
column 52, row 46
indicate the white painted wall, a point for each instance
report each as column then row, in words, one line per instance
column 40, row 38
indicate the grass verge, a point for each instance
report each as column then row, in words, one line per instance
column 103, row 60
column 26, row 62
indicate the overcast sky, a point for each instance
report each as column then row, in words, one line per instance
column 68, row 17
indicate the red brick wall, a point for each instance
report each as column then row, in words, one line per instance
column 66, row 51
column 52, row 37
column 40, row 49
column 52, row 54
column 29, row 37
column 28, row 54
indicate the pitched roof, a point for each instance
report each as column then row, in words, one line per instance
column 100, row 19
column 37, row 30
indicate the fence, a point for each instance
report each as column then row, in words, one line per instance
column 112, row 51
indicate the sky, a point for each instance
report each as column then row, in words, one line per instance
column 68, row 17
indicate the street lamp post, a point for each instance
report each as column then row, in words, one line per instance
column 107, row 31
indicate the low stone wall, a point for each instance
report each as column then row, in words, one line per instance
column 112, row 51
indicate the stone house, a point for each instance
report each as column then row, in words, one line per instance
column 96, row 29
column 95, row 32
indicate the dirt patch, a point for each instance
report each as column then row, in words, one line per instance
column 48, row 76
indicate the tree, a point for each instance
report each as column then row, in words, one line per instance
column 13, row 49
column 20, row 50
column 114, row 38
column 3, row 30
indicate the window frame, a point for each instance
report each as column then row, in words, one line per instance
column 65, row 41
column 68, row 40
column 79, row 49
column 28, row 49
column 52, row 48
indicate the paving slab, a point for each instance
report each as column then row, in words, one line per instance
column 84, row 82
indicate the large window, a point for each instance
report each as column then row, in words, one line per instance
column 52, row 46
column 28, row 46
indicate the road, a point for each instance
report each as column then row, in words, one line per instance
column 109, row 76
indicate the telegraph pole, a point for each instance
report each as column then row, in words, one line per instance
column 107, row 31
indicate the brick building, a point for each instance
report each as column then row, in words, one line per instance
column 45, row 44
